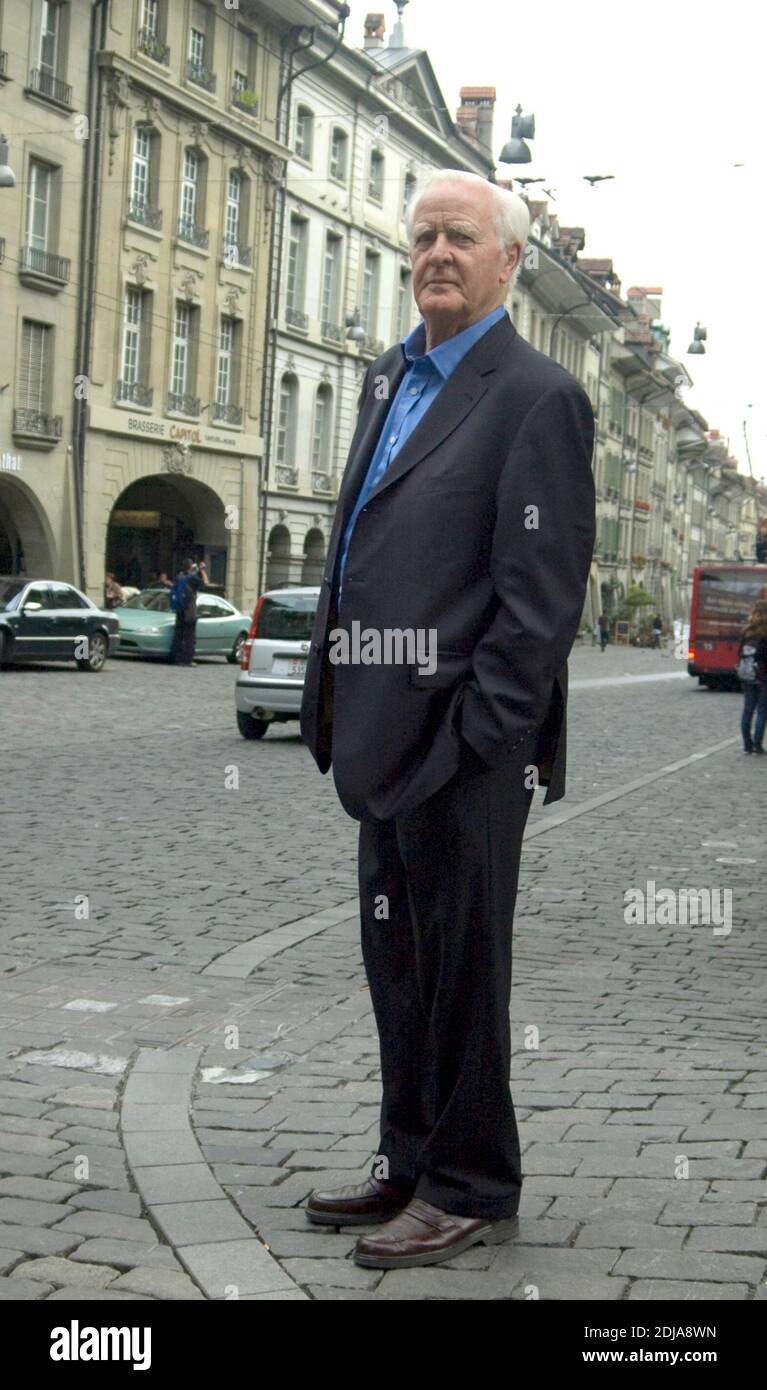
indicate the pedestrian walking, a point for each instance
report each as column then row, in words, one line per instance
column 752, row 673
column 183, row 601
column 604, row 630
column 466, row 515
column 657, row 631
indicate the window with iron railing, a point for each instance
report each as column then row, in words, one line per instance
column 323, row 408
column 286, row 420
column 296, row 271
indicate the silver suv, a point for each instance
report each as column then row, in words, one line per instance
column 271, row 680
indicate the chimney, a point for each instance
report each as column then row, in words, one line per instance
column 375, row 28
column 476, row 113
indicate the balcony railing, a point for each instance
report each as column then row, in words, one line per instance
column 321, row 482
column 236, row 255
column 152, row 47
column 46, row 85
column 287, row 475
column 181, row 403
column 134, row 393
column 43, row 266
column 201, row 76
column 245, row 99
column 141, row 211
column 332, row 331
column 227, row 414
column 372, row 345
column 297, row 319
column 35, row 424
column 191, row 232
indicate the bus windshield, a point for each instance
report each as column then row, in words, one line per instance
column 725, row 600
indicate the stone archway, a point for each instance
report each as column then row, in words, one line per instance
column 314, row 557
column 278, row 557
column 26, row 539
column 160, row 520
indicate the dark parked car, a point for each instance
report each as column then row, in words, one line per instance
column 43, row 620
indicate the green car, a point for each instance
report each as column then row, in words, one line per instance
column 147, row 622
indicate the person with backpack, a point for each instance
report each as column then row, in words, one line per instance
column 183, row 601
column 752, row 673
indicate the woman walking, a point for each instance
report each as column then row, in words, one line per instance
column 752, row 671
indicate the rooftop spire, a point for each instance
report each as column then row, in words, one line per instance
column 397, row 39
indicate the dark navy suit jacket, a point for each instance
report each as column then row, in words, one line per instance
column 483, row 529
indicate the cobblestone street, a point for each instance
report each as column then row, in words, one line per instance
column 186, row 1038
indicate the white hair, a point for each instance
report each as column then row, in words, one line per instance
column 512, row 218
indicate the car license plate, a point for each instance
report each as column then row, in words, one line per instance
column 290, row 666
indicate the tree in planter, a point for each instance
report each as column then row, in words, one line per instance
column 636, row 599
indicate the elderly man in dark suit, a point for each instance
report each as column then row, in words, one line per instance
column 436, row 687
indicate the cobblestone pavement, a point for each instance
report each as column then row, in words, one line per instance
column 186, row 1041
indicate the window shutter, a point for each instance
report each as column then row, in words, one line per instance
column 34, row 361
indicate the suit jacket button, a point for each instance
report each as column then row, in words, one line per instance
column 316, row 647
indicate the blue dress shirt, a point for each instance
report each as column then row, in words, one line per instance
column 419, row 388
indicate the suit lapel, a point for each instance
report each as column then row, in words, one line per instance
column 459, row 395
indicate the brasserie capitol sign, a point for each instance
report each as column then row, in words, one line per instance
column 151, row 427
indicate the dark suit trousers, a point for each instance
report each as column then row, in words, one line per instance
column 439, row 971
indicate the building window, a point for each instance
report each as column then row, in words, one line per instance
column 151, row 34
column 339, row 146
column 182, row 332
column 131, row 354
column 304, row 141
column 196, row 48
column 286, row 420
column 50, row 27
column 142, row 149
column 331, row 279
column 49, row 56
column 405, row 301
column 323, row 405
column 244, row 66
column 190, row 187
column 296, row 265
column 232, row 217
column 376, row 176
column 149, row 17
column 39, row 196
column 410, row 183
column 370, row 280
column 36, row 356
column 225, row 364
column 198, row 57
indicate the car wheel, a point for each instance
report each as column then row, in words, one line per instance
column 4, row 645
column 235, row 656
column 98, row 650
column 250, row 727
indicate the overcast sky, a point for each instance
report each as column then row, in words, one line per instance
column 669, row 97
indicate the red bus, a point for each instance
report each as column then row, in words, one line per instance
column 722, row 598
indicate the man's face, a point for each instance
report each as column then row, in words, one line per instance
column 460, row 272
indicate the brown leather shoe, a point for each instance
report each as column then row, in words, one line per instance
column 365, row 1204
column 424, row 1235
